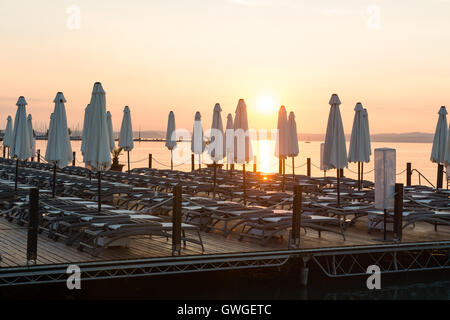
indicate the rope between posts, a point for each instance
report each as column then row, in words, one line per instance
column 302, row 165
column 400, row 172
column 167, row 166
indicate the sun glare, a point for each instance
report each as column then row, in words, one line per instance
column 266, row 104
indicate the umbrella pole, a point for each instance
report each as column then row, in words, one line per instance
column 17, row 174
column 171, row 160
column 128, row 154
column 293, row 170
column 243, row 175
column 284, row 175
column 54, row 181
column 99, row 191
column 338, row 190
column 199, row 161
column 362, row 172
column 214, row 187
column 359, row 175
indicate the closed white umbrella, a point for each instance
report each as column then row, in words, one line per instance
column 171, row 140
column 197, row 141
column 20, row 143
column 7, row 137
column 126, row 141
column 292, row 140
column 216, row 148
column 112, row 144
column 439, row 144
column 49, row 132
column 229, row 141
column 31, row 133
column 335, row 151
column 242, row 144
column 84, row 134
column 97, row 148
column 282, row 141
column 59, row 150
column 359, row 149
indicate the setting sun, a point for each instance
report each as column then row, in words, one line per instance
column 266, row 104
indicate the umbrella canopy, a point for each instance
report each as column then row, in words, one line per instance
column 281, row 146
column 20, row 143
column 171, row 141
column 292, row 137
column 97, row 143
column 84, row 134
column 242, row 144
column 216, row 147
column 112, row 144
column 49, row 132
column 126, row 131
column 367, row 129
column 31, row 133
column 335, row 150
column 7, row 136
column 229, row 140
column 440, row 138
column 359, row 149
column 197, row 141
column 59, row 149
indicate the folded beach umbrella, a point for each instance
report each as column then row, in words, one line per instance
column 335, row 152
column 359, row 149
column 126, row 134
column 20, row 142
column 229, row 140
column 281, row 144
column 439, row 144
column 197, row 141
column 171, row 139
column 242, row 144
column 31, row 133
column 112, row 144
column 292, row 140
column 7, row 137
column 59, row 150
column 84, row 133
column 97, row 148
column 216, row 148
column 49, row 132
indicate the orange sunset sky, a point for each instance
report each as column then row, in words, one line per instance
column 186, row 55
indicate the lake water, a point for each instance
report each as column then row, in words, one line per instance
column 416, row 153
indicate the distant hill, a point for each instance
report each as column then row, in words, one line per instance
column 417, row 137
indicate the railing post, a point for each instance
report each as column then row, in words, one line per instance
column 408, row 174
column 38, row 155
column 34, row 218
column 398, row 212
column 150, row 160
column 280, row 166
column 192, row 162
column 176, row 221
column 297, row 215
column 74, row 158
column 308, row 167
column 440, row 176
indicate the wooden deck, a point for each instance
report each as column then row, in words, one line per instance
column 13, row 243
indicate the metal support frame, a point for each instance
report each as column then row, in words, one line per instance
column 139, row 268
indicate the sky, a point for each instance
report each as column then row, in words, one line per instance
column 187, row 55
